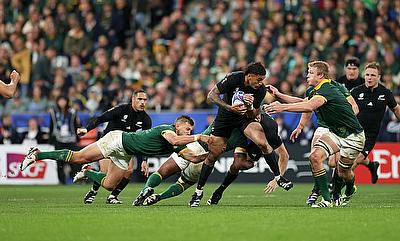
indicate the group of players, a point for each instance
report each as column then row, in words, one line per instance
column 345, row 135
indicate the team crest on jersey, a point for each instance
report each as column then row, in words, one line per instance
column 381, row 97
column 361, row 96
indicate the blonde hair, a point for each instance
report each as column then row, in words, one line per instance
column 321, row 66
column 373, row 65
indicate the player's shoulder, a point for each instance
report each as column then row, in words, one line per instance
column 235, row 76
column 358, row 88
column 165, row 127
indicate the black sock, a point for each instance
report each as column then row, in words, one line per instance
column 229, row 178
column 96, row 186
column 370, row 166
column 205, row 173
column 121, row 185
column 272, row 162
column 349, row 187
column 338, row 184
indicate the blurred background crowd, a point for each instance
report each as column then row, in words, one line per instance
column 97, row 51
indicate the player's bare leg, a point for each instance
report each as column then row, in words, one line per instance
column 240, row 162
column 255, row 133
column 216, row 148
column 88, row 154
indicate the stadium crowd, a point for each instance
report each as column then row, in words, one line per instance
column 97, row 51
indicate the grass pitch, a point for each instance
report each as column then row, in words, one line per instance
column 245, row 213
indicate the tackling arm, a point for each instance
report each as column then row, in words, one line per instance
column 176, row 140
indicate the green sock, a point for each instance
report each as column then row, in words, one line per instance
column 321, row 180
column 63, row 155
column 172, row 191
column 154, row 180
column 95, row 176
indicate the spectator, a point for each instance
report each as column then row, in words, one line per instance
column 8, row 134
column 63, row 124
column 34, row 134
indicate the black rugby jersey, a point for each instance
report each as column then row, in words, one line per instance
column 232, row 83
column 122, row 117
column 372, row 104
column 350, row 84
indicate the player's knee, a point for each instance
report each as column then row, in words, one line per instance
column 265, row 147
column 247, row 165
column 316, row 157
column 128, row 173
column 108, row 186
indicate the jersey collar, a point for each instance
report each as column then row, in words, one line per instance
column 318, row 86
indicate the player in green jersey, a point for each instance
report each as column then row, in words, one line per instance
column 175, row 164
column 119, row 146
column 345, row 133
column 322, row 129
column 245, row 156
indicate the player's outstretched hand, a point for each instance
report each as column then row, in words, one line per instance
column 239, row 109
column 15, row 77
column 271, row 186
column 274, row 108
column 145, row 168
column 81, row 131
column 296, row 132
column 272, row 90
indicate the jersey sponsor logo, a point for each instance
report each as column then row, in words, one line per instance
column 370, row 104
column 381, row 97
column 361, row 96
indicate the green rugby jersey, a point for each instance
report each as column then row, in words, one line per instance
column 236, row 139
column 148, row 142
column 337, row 113
column 341, row 88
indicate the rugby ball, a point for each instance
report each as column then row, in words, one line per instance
column 237, row 98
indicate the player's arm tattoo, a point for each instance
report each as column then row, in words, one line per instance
column 213, row 97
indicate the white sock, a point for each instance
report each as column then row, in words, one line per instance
column 199, row 192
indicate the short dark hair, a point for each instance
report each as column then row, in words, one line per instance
column 373, row 65
column 185, row 119
column 255, row 68
column 135, row 92
column 352, row 61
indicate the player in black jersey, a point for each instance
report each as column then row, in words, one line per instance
column 237, row 115
column 8, row 90
column 246, row 153
column 352, row 76
column 372, row 99
column 129, row 117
